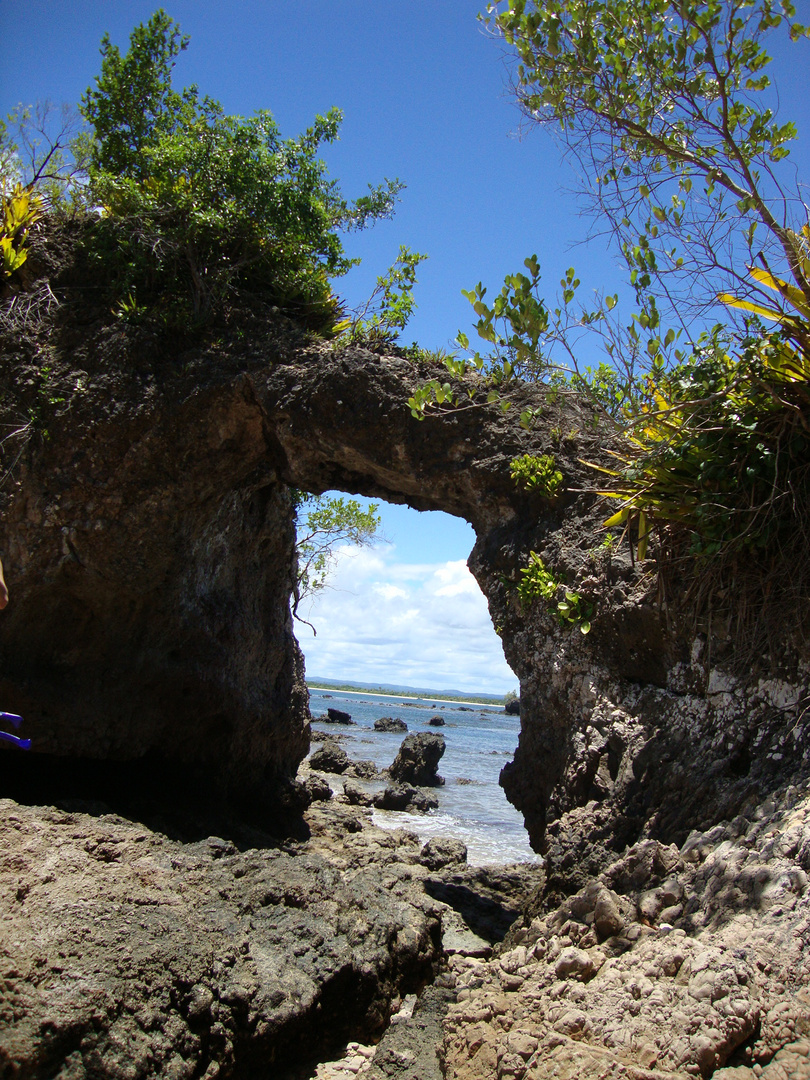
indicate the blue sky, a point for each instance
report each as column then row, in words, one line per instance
column 425, row 97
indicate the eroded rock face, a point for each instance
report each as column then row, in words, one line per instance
column 148, row 545
column 148, row 549
column 126, row 953
column 673, row 963
column 417, row 760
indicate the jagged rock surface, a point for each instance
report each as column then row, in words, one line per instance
column 124, row 953
column 672, row 963
column 390, row 723
column 417, row 760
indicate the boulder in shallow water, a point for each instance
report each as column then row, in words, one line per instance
column 417, row 760
column 390, row 723
column 336, row 716
column 330, row 757
column 318, row 789
column 355, row 795
column 436, row 721
column 363, row 769
column 405, row 797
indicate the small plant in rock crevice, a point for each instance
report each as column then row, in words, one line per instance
column 538, row 582
column 21, row 208
column 537, row 474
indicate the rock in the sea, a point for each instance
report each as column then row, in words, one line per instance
column 363, row 769
column 323, row 736
column 512, row 707
column 441, row 851
column 417, row 760
column 436, row 721
column 390, row 723
column 355, row 795
column 336, row 716
column 317, row 788
column 405, row 797
column 330, row 757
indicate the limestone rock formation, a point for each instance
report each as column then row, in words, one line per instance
column 148, row 546
column 690, row 962
column 146, row 530
column 336, row 716
column 330, row 757
column 390, row 723
column 417, row 760
column 405, row 797
column 440, row 851
column 126, row 953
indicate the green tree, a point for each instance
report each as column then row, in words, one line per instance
column 211, row 203
column 323, row 524
column 133, row 104
column 668, row 110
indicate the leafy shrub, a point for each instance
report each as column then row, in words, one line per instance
column 200, row 205
column 722, row 447
column 537, row 474
column 20, row 209
column 385, row 314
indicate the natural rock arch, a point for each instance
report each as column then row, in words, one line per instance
column 149, row 545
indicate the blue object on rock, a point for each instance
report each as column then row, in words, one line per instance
column 15, row 721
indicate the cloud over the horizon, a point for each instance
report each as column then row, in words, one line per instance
column 418, row 624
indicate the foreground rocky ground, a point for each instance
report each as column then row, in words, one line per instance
column 127, row 954
column 672, row 963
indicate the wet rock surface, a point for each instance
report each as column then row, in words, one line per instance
column 405, row 797
column 336, row 716
column 390, row 723
column 417, row 760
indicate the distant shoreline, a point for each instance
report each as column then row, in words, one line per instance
column 404, row 697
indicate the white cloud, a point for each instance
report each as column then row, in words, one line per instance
column 421, row 624
column 389, row 592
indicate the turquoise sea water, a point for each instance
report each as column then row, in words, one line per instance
column 479, row 741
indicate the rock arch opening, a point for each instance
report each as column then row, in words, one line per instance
column 403, row 621
column 404, row 610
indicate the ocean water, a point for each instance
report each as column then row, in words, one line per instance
column 479, row 741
